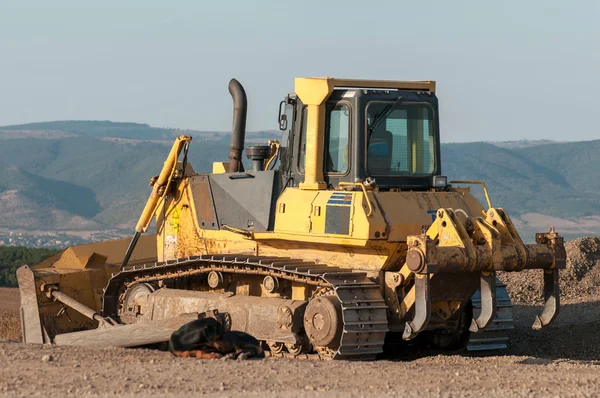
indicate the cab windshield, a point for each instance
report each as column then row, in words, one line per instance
column 401, row 139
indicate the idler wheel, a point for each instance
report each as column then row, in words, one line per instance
column 323, row 321
column 271, row 284
column 129, row 308
column 215, row 279
column 136, row 291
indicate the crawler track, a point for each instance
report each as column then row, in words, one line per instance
column 363, row 308
column 496, row 336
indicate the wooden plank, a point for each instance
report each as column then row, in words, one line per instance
column 132, row 335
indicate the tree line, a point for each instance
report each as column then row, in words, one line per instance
column 12, row 258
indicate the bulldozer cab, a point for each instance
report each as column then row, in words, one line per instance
column 386, row 132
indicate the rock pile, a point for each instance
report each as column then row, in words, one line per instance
column 579, row 281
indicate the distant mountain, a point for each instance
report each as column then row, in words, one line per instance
column 521, row 143
column 31, row 200
column 117, row 130
column 104, row 181
column 76, row 175
column 555, row 182
column 102, row 128
column 554, row 179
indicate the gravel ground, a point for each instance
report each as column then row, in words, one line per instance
column 561, row 360
column 28, row 371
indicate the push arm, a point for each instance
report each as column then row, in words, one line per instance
column 159, row 189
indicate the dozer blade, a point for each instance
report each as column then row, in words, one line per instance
column 422, row 307
column 488, row 302
column 551, row 300
column 79, row 272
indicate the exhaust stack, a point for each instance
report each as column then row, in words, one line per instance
column 238, row 132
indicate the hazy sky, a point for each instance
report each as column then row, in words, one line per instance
column 505, row 69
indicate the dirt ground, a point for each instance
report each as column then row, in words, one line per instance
column 9, row 299
column 561, row 360
column 9, row 310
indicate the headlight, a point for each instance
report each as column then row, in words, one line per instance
column 440, row 181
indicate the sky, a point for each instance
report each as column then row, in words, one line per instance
column 505, row 70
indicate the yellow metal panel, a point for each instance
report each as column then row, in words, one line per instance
column 292, row 213
column 410, row 213
column 220, row 167
column 318, row 212
column 313, row 90
column 299, row 291
column 369, row 258
column 365, row 227
column 301, row 212
column 313, row 93
column 78, row 257
column 310, row 238
column 179, row 234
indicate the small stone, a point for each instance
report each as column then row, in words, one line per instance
column 76, row 365
column 141, row 385
column 152, row 361
column 309, row 388
column 47, row 358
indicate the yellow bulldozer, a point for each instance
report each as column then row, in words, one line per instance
column 340, row 241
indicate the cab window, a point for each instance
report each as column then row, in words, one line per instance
column 337, row 138
column 302, row 143
column 401, row 141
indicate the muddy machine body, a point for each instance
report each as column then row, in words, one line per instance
column 338, row 242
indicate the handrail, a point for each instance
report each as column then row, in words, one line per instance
column 355, row 184
column 476, row 182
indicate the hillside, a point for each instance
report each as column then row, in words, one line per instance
column 553, row 179
column 547, row 184
column 101, row 180
column 93, row 176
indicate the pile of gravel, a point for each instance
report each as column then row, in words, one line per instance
column 579, row 281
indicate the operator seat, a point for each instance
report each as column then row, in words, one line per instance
column 379, row 153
